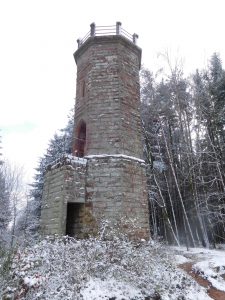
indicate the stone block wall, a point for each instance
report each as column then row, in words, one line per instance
column 64, row 183
column 116, row 187
column 77, row 197
column 112, row 184
column 109, row 104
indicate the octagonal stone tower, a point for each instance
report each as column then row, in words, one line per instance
column 107, row 98
column 107, row 179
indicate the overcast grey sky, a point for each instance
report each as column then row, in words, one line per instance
column 38, row 73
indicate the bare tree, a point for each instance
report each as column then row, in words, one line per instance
column 10, row 200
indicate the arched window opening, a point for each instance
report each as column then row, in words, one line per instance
column 80, row 139
column 83, row 89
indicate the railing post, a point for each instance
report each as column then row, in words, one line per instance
column 78, row 43
column 135, row 37
column 92, row 29
column 118, row 27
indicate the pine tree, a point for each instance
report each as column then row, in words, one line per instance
column 59, row 145
column 167, row 119
column 209, row 100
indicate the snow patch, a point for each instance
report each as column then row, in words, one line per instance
column 30, row 281
column 210, row 263
column 98, row 268
column 67, row 159
column 212, row 269
column 180, row 259
column 75, row 159
column 114, row 156
column 109, row 288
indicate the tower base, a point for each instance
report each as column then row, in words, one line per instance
column 80, row 194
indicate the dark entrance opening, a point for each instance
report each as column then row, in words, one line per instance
column 80, row 139
column 73, row 220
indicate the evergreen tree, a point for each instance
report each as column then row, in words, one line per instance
column 184, row 133
column 184, row 147
column 209, row 97
column 59, row 145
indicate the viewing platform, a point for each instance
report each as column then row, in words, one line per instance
column 106, row 31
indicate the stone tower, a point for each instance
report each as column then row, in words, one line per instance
column 105, row 177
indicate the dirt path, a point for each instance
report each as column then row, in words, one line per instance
column 211, row 291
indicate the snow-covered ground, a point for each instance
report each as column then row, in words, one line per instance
column 208, row 263
column 65, row 268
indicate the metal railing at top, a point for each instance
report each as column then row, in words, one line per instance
column 107, row 30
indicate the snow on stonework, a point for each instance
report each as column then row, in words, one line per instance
column 114, row 156
column 66, row 268
column 67, row 159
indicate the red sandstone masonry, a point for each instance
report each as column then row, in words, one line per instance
column 109, row 65
column 109, row 187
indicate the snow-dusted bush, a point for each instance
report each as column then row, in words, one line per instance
column 66, row 268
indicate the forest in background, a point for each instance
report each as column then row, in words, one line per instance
column 184, row 134
column 184, row 130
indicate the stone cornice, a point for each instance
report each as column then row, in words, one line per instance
column 108, row 39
